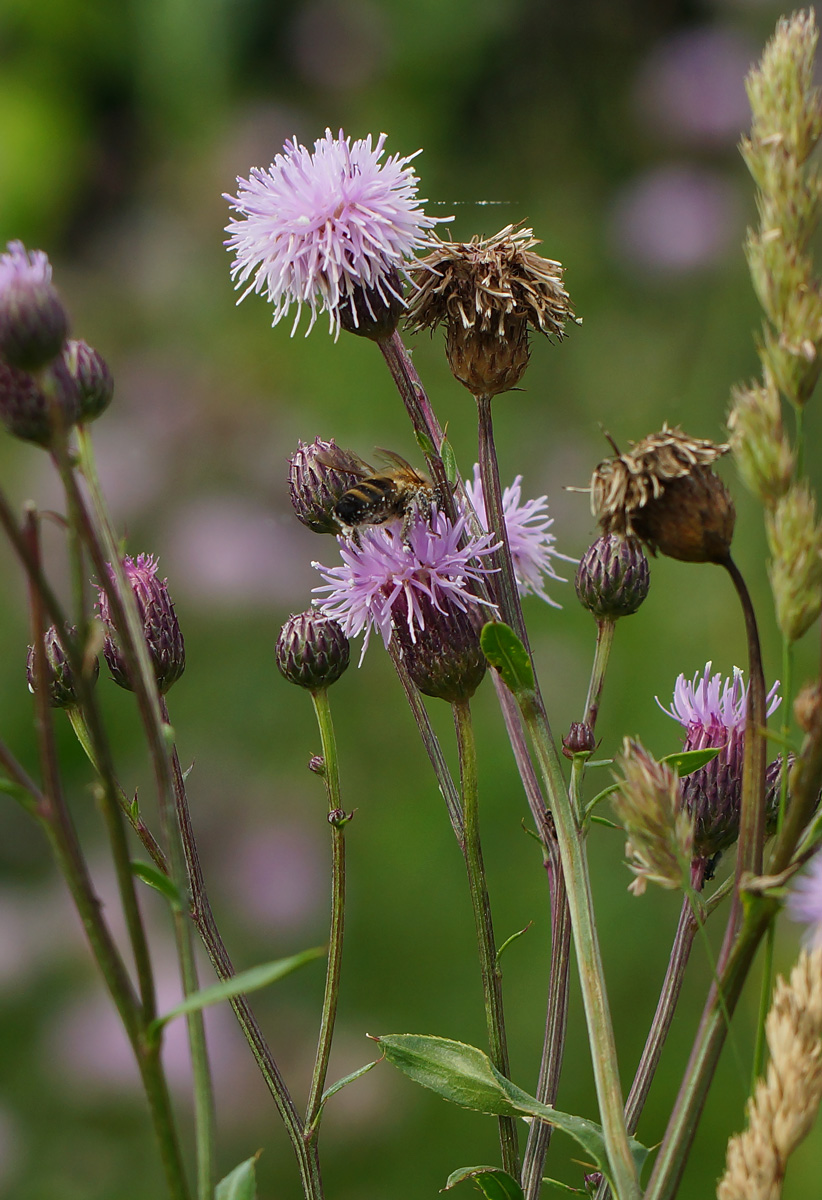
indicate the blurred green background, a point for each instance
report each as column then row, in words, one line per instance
column 610, row 126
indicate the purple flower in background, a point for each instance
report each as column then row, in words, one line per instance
column 33, row 322
column 805, row 902
column 390, row 572
column 19, row 265
column 316, row 225
column 528, row 525
column 712, row 710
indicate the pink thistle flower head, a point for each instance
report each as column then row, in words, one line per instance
column 528, row 526
column 712, row 710
column 33, row 321
column 805, row 902
column 164, row 638
column 318, row 226
column 393, row 575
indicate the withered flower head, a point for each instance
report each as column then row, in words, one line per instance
column 664, row 492
column 488, row 293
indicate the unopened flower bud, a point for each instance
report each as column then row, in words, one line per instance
column 60, row 680
column 613, row 576
column 578, row 740
column 373, row 312
column 34, row 408
column 95, row 386
column 485, row 363
column 319, row 473
column 316, row 763
column 441, row 651
column 33, row 322
column 312, row 650
column 161, row 628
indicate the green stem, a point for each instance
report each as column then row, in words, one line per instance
column 337, row 819
column 602, row 653
column 480, row 902
column 503, row 584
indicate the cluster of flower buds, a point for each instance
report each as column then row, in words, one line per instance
column 48, row 382
column 164, row 638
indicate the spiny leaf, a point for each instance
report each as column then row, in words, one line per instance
column 493, row 1182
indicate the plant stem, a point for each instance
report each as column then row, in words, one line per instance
column 489, row 970
column 337, row 819
column 602, row 653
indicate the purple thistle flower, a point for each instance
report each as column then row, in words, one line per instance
column 394, row 573
column 316, row 226
column 712, row 711
column 805, row 902
column 33, row 322
column 19, row 265
column 528, row 525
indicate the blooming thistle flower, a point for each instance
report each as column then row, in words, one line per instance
column 713, row 711
column 488, row 293
column 163, row 635
column 664, row 492
column 33, row 322
column 805, row 902
column 323, row 227
column 528, row 525
column 393, row 574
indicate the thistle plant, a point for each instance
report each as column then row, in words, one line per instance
column 444, row 573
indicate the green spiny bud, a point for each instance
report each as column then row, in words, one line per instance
column 88, row 369
column 795, row 541
column 613, row 577
column 312, row 650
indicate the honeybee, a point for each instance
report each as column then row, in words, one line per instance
column 399, row 492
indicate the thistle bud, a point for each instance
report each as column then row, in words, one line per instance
column 35, row 408
column 613, row 577
column 693, row 520
column 95, row 386
column 373, row 312
column 441, row 650
column 319, row 473
column 33, row 322
column 312, row 650
column 578, row 740
column 485, row 363
column 60, row 682
column 161, row 628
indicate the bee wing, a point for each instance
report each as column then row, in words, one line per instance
column 345, row 460
column 403, row 465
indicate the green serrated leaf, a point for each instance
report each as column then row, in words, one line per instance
column 512, row 938
column 425, row 444
column 239, row 1184
column 686, row 761
column 493, row 1182
column 466, row 1076
column 506, row 653
column 246, row 981
column 449, row 461
column 159, row 881
column 559, row 1186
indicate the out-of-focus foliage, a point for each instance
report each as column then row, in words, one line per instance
column 610, row 128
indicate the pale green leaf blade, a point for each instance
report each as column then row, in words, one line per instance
column 239, row 1184
column 158, row 880
column 686, row 761
column 493, row 1182
column 506, row 653
column 246, row 981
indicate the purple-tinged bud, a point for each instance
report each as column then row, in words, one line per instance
column 441, row 650
column 773, row 791
column 161, row 628
column 33, row 322
column 60, row 682
column 578, row 740
column 319, row 473
column 592, row 1182
column 312, row 650
column 34, row 408
column 95, row 386
column 316, row 763
column 373, row 312
column 613, row 577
